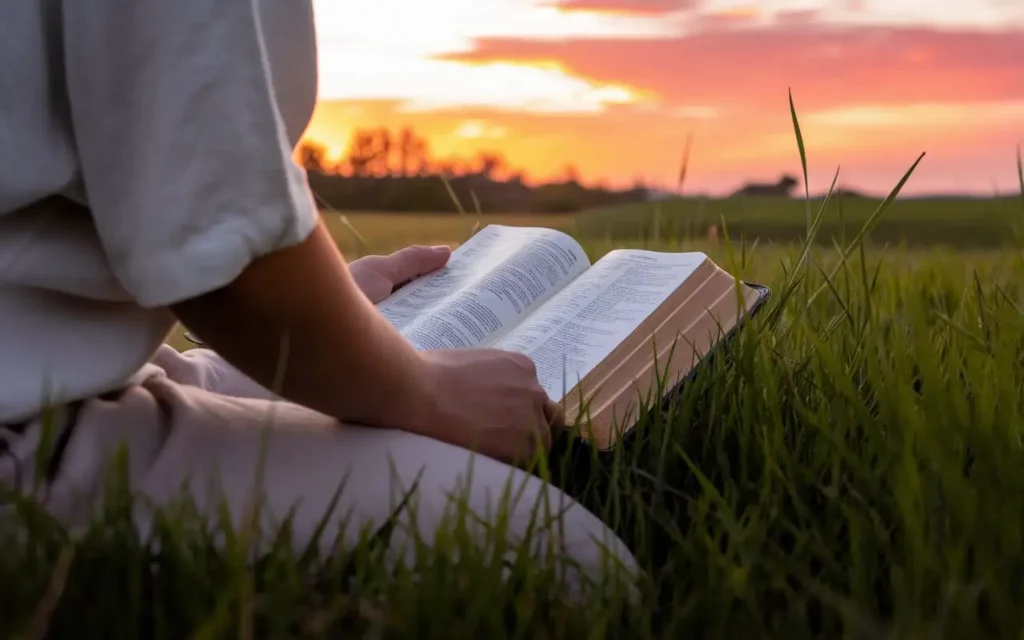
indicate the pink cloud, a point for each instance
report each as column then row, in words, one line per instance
column 825, row 67
column 631, row 6
column 800, row 18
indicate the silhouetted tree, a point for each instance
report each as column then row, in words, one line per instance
column 312, row 156
column 360, row 153
column 413, row 153
column 570, row 174
column 490, row 163
column 382, row 159
column 388, row 171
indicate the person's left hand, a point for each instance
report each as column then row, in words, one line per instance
column 378, row 275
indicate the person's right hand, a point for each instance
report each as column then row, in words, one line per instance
column 488, row 401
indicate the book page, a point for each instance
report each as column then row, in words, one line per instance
column 578, row 327
column 489, row 284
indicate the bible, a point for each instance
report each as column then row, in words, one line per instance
column 603, row 336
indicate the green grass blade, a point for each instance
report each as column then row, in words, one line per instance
column 1020, row 176
column 453, row 195
column 870, row 223
column 684, row 164
column 803, row 158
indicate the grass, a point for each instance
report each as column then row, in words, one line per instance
column 852, row 469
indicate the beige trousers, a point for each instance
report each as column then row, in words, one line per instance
column 191, row 420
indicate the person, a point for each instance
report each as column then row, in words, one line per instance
column 147, row 178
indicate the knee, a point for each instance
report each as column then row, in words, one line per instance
column 580, row 556
column 562, row 535
column 528, row 520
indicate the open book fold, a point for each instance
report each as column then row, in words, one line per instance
column 604, row 336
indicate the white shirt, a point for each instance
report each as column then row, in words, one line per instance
column 174, row 123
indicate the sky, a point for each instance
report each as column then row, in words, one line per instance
column 616, row 88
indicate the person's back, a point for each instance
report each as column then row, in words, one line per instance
column 147, row 178
column 83, row 298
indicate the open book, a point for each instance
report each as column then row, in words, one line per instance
column 595, row 332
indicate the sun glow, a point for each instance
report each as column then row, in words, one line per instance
column 366, row 54
column 422, row 84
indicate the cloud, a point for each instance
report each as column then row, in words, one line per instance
column 630, row 6
column 922, row 115
column 957, row 15
column 692, row 112
column 452, row 26
column 799, row 17
column 741, row 17
column 419, row 84
column 366, row 55
column 744, row 71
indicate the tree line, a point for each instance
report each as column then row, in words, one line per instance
column 382, row 170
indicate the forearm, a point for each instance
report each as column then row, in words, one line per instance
column 297, row 323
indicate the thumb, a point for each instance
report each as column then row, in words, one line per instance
column 414, row 261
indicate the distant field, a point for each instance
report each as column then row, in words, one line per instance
column 953, row 222
column 960, row 223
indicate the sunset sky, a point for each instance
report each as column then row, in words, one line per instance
column 615, row 86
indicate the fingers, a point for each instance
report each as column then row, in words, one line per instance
column 524, row 361
column 539, row 439
column 550, row 418
column 411, row 262
column 555, row 415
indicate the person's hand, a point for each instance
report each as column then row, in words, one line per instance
column 488, row 401
column 378, row 275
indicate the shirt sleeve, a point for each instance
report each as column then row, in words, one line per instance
column 185, row 157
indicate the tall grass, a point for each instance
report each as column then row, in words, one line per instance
column 852, row 468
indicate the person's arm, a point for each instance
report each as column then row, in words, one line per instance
column 187, row 156
column 336, row 353
column 187, row 164
column 342, row 358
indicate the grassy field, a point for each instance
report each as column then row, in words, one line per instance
column 853, row 469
